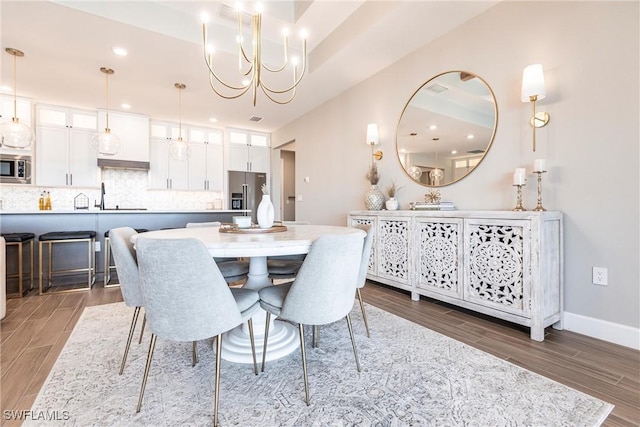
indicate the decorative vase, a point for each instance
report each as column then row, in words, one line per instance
column 265, row 212
column 374, row 198
column 391, row 204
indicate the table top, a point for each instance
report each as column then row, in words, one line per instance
column 297, row 239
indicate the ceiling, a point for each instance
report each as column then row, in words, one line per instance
column 66, row 42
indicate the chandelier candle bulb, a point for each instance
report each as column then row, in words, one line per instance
column 540, row 165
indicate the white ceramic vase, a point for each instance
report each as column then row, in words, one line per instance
column 265, row 212
column 391, row 204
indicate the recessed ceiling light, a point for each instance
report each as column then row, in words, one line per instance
column 213, row 120
column 433, row 127
column 120, row 51
column 125, row 106
column 470, row 136
column 454, row 151
column 6, row 89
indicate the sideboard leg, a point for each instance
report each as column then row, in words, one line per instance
column 415, row 296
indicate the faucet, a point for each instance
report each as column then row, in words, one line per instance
column 101, row 205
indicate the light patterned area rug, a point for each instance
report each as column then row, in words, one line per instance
column 411, row 376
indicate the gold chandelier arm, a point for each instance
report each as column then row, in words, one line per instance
column 268, row 94
column 208, row 59
column 241, row 52
column 243, row 90
column 297, row 81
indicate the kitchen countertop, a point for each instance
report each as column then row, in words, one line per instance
column 119, row 211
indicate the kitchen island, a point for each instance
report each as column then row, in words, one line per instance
column 40, row 222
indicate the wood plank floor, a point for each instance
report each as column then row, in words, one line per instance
column 36, row 328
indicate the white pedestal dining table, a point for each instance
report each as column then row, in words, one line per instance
column 296, row 239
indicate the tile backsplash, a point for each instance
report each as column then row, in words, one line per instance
column 123, row 187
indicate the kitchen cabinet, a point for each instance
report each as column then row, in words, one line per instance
column 248, row 151
column 23, row 111
column 64, row 155
column 165, row 172
column 206, row 163
column 500, row 263
column 133, row 131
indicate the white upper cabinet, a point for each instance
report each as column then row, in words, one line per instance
column 206, row 163
column 64, row 155
column 133, row 131
column 248, row 151
column 23, row 111
column 165, row 172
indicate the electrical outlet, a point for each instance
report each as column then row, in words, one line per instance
column 96, row 247
column 600, row 276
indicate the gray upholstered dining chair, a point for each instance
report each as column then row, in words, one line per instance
column 124, row 257
column 322, row 292
column 232, row 269
column 284, row 267
column 364, row 267
column 187, row 299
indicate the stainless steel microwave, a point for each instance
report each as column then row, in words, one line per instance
column 15, row 169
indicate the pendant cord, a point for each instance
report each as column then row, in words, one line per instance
column 107, row 96
column 15, row 88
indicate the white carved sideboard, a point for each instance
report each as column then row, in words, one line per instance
column 504, row 264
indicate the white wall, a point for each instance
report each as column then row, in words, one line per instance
column 590, row 52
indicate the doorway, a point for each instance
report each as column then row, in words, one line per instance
column 288, row 189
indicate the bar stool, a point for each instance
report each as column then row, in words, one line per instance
column 107, row 258
column 18, row 240
column 58, row 237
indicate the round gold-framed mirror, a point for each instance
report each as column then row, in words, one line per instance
column 446, row 128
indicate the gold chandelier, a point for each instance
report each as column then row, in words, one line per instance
column 251, row 66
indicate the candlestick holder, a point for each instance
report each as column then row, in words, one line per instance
column 519, row 206
column 539, row 207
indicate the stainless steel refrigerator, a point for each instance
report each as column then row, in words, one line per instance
column 245, row 191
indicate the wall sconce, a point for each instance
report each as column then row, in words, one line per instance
column 532, row 91
column 372, row 140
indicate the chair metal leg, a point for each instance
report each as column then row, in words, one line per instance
column 152, row 346
column 266, row 337
column 353, row 342
column 195, row 354
column 136, row 312
column 253, row 346
column 364, row 314
column 304, row 364
column 144, row 323
column 315, row 329
column 217, row 390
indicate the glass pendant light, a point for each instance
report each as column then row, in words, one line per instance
column 436, row 174
column 106, row 143
column 414, row 171
column 178, row 149
column 14, row 134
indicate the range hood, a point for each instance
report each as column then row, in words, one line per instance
column 123, row 164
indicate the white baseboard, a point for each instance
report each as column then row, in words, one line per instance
column 602, row 329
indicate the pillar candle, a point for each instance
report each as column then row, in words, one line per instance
column 540, row 165
column 519, row 176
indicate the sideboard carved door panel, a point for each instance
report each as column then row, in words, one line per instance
column 497, row 271
column 504, row 264
column 439, row 261
column 393, row 249
column 359, row 221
